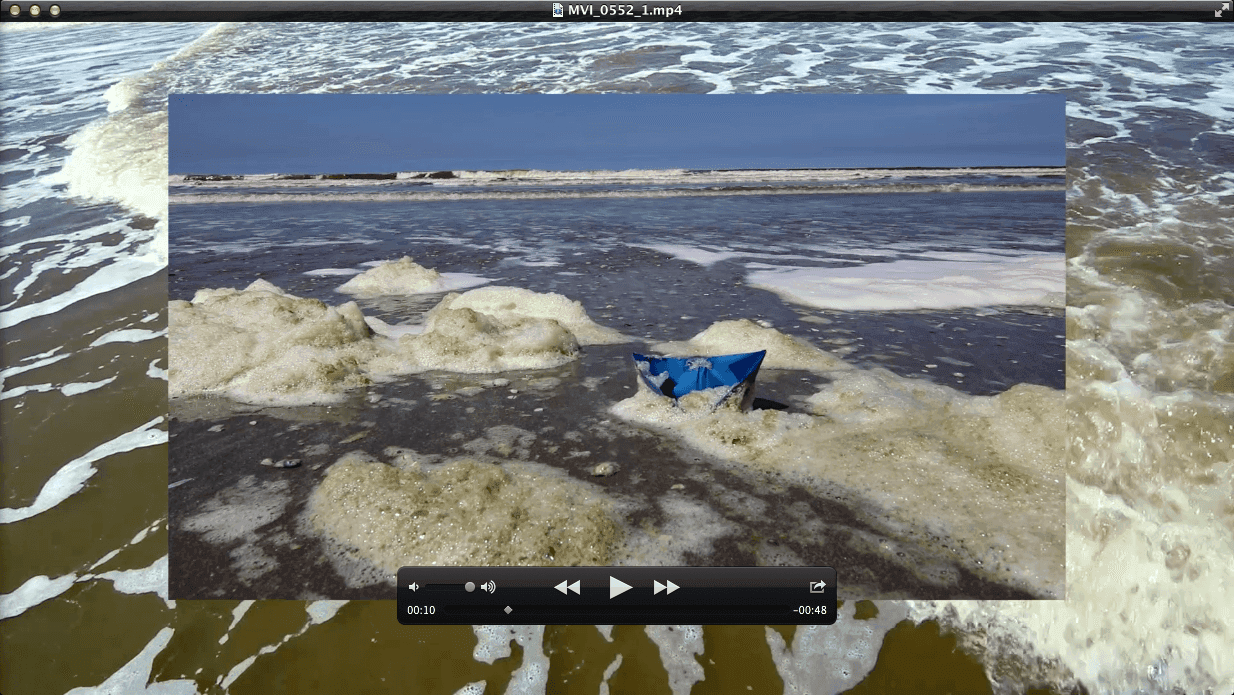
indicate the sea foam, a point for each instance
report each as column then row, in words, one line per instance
column 262, row 345
column 923, row 284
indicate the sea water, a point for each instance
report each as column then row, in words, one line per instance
column 1149, row 445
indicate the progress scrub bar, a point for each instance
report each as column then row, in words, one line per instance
column 616, row 595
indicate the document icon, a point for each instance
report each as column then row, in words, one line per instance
column 817, row 587
column 558, row 10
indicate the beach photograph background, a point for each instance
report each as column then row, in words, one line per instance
column 83, row 407
column 504, row 425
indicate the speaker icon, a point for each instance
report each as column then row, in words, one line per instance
column 490, row 587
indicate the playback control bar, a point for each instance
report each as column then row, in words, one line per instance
column 616, row 595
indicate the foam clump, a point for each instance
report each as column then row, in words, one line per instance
column 706, row 400
column 743, row 335
column 515, row 303
column 977, row 480
column 467, row 341
column 463, row 512
column 403, row 276
column 264, row 346
column 876, row 396
column 261, row 345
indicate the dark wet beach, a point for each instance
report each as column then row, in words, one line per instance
column 566, row 425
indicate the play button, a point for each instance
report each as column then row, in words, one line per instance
column 616, row 587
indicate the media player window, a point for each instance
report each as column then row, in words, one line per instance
column 499, row 356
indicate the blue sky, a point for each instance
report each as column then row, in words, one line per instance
column 352, row 133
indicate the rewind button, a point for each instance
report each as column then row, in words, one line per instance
column 564, row 587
